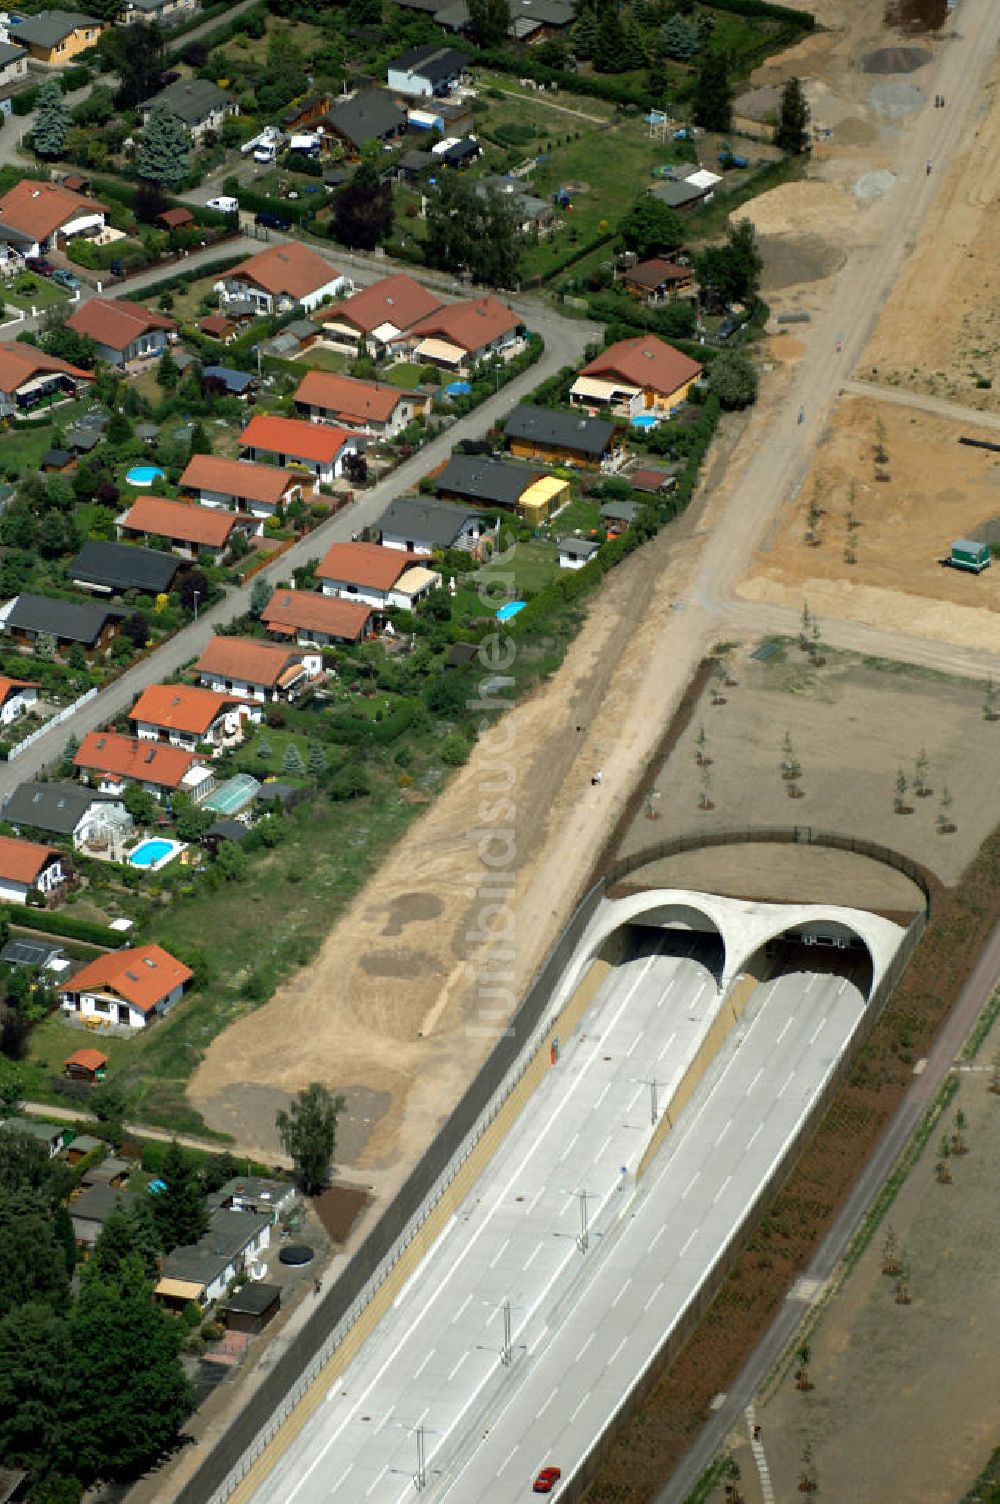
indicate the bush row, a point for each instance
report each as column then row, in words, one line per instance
column 615, row 90
column 125, row 193
column 563, row 263
column 62, row 924
column 763, row 9
column 356, row 731
column 296, row 213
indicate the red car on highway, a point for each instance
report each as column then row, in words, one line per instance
column 547, row 1480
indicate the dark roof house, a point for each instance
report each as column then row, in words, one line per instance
column 56, row 808
column 372, row 115
column 550, row 428
column 493, row 482
column 66, row 621
column 437, row 523
column 122, row 566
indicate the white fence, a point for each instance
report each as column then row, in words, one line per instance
column 60, row 716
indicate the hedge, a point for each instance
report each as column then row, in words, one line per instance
column 522, row 66
column 62, row 924
column 563, row 263
column 355, row 731
column 125, row 193
column 765, row 11
column 296, row 213
column 182, row 279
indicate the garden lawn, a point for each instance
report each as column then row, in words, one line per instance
column 318, row 358
column 47, row 294
column 580, row 515
column 533, row 566
column 22, row 447
column 406, row 375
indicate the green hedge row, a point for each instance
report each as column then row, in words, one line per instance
column 563, row 263
column 355, row 731
column 183, row 279
column 522, row 66
column 296, row 213
column 125, row 193
column 764, row 10
column 62, row 924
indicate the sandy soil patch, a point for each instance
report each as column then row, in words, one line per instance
column 809, row 207
column 790, row 260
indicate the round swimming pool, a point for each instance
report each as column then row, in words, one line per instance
column 151, row 853
column 143, row 475
column 645, row 420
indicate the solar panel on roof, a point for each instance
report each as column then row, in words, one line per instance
column 24, row 953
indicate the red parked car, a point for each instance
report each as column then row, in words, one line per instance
column 39, row 265
column 547, row 1480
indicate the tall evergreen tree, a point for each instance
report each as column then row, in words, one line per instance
column 33, row 1356
column 179, row 1211
column 608, row 56
column 713, row 97
column 51, row 120
column 792, row 134
column 31, row 1255
column 489, row 21
column 129, row 1231
column 633, row 48
column 165, row 149
column 586, row 33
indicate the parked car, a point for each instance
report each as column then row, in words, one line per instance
column 547, row 1480
column 272, row 221
column 65, row 278
column 39, row 265
column 225, row 204
column 727, row 327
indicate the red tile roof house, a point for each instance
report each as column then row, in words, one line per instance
column 127, row 987
column 310, row 617
column 28, row 377
column 124, row 333
column 252, row 490
column 187, row 716
column 257, row 670
column 313, row 446
column 114, row 763
column 375, row 317
column 379, row 577
column 17, row 697
column 641, row 375
column 27, row 867
column 376, row 407
column 463, row 335
column 188, row 528
column 37, row 217
column 281, row 278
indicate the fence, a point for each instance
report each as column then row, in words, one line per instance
column 257, row 1424
column 56, row 720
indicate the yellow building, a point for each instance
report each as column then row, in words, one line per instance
column 542, row 498
column 57, row 36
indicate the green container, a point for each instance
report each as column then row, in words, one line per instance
column 967, row 554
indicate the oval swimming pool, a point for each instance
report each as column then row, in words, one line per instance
column 511, row 609
column 143, row 475
column 645, row 420
column 150, row 853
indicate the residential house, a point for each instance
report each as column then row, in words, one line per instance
column 29, row 379
column 36, row 955
column 188, row 528
column 302, row 114
column 309, row 617
column 254, row 1193
column 57, row 462
column 115, row 763
column 562, row 438
column 636, row 376
column 374, row 319
column 531, row 212
column 202, row 1272
column 491, row 482
column 83, row 1144
column 252, row 490
column 28, row 617
column 130, row 987
column 285, row 276
column 375, row 575
column 85, row 1065
column 534, row 20
column 91, row 1209
column 196, row 102
column 427, row 70
column 574, row 553
column 651, row 481
column 460, row 336
column 56, row 37
column 112, row 1170
column 414, row 165
column 187, row 716
column 67, row 810
column 13, row 64
column 257, row 670
column 123, row 332
column 658, row 281
column 457, row 153
column 313, row 447
column 757, row 112
column 371, row 115
column 26, row 867
column 229, row 382
column 17, row 698
column 376, row 407
column 164, row 12
column 113, row 568
column 678, row 193
column 52, row 1135
column 37, row 217
column 618, row 516
column 422, row 525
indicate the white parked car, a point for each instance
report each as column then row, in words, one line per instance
column 224, row 205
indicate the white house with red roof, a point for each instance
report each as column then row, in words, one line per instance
column 257, row 670
column 376, row 576
column 28, row 867
column 634, row 376
column 112, row 763
column 190, row 529
column 123, row 332
column 187, row 716
column 313, row 447
column 17, row 697
column 126, row 987
column 309, row 617
column 285, row 276
column 376, row 407
column 239, row 486
column 375, row 317
column 36, row 217
column 462, row 335
column 29, row 376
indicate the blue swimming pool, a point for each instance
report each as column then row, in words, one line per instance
column 644, row 420
column 458, row 388
column 144, row 475
column 511, row 609
column 151, row 853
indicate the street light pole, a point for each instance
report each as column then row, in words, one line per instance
column 197, row 595
column 584, row 1239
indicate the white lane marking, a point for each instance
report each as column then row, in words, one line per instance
column 655, row 1293
column 659, row 1235
column 784, row 1030
column 423, row 1364
column 617, row 1350
column 532, row 1256
column 458, row 1365
column 378, row 1479
column 667, row 1045
column 787, row 1084
column 579, row 1407
column 505, row 1464
column 621, row 1292
column 603, row 1095
column 687, row 1245
column 756, row 1078
column 337, row 1485
column 500, row 1253
column 721, row 1189
column 756, row 1135
column 722, row 1135
column 458, row 1314
column 586, row 1345
column 548, row 1400
column 817, row 1031
column 694, row 1177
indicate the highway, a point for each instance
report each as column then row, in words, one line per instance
column 583, row 1323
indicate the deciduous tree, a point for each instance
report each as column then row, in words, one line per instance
column 308, row 1131
column 362, row 211
column 733, row 379
column 650, row 227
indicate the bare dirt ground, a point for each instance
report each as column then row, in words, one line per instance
column 908, row 508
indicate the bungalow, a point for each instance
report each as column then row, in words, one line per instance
column 56, row 36
column 374, row 319
column 29, row 378
column 421, row 525
column 28, row 617
column 123, row 332
column 163, row 12
column 253, row 490
column 657, row 281
column 130, row 987
column 561, row 438
column 531, row 212
column 113, row 568
column 13, row 63
column 254, row 1193
column 372, row 115
column 678, row 193
column 635, row 376
column 574, row 553
column 116, row 762
column 619, row 516
column 285, row 276
column 303, row 113
column 312, row 618
column 17, row 698
column 37, row 217
column 188, row 528
column 92, row 1208
column 27, row 867
column 202, row 1272
column 197, row 103
column 502, row 483
column 52, row 1135
column 312, row 446
column 375, row 575
column 186, row 716
column 428, row 70
column 256, row 670
column 66, row 810
column 228, row 382
column 376, row 407
column 57, row 462
column 462, row 335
